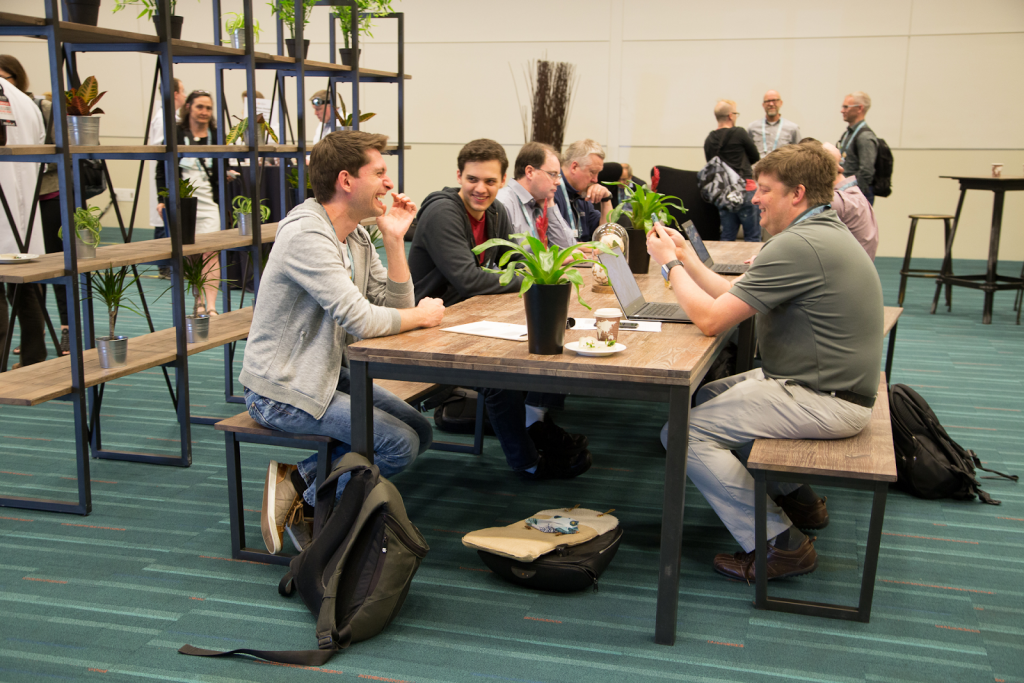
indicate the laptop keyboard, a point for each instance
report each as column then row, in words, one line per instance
column 661, row 310
column 730, row 267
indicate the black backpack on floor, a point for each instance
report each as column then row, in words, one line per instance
column 355, row 574
column 929, row 463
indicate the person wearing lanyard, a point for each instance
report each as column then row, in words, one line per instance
column 818, row 306
column 773, row 131
column 579, row 192
column 859, row 145
column 529, row 198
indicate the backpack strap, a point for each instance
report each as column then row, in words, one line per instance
column 300, row 657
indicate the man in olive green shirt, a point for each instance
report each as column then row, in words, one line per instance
column 818, row 306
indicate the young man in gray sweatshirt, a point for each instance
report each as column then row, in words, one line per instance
column 323, row 287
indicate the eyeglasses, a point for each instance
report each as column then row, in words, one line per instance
column 318, row 101
column 772, row 101
column 552, row 174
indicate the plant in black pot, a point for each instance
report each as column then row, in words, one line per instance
column 83, row 124
column 285, row 9
column 371, row 8
column 643, row 206
column 149, row 10
column 189, row 208
column 82, row 11
column 112, row 286
column 548, row 277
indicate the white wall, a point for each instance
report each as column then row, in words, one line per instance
column 943, row 76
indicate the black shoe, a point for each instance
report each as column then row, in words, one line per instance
column 164, row 273
column 65, row 342
column 550, row 438
column 560, row 467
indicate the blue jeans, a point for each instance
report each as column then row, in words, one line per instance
column 506, row 410
column 160, row 231
column 400, row 432
column 747, row 215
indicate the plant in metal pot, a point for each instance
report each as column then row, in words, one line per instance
column 189, row 208
column 83, row 128
column 242, row 209
column 235, row 28
column 241, row 129
column 195, row 274
column 372, row 9
column 548, row 277
column 87, row 231
column 111, row 286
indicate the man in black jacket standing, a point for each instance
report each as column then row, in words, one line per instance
column 732, row 144
column 451, row 222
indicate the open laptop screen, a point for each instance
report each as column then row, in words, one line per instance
column 697, row 243
column 623, row 283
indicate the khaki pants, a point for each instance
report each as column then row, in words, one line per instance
column 730, row 414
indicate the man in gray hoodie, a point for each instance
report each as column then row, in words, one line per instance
column 323, row 287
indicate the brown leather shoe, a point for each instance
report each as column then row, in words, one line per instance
column 781, row 563
column 803, row 515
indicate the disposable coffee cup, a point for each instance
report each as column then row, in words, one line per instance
column 997, row 170
column 607, row 322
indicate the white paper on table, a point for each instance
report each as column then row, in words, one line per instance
column 641, row 325
column 486, row 328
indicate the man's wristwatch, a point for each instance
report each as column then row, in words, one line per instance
column 667, row 268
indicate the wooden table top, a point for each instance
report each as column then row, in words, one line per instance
column 35, row 384
column 49, row 266
column 673, row 356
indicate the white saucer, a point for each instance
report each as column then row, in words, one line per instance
column 599, row 351
column 17, row 258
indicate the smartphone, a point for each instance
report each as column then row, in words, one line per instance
column 624, row 325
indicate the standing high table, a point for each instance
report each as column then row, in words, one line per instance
column 666, row 367
column 990, row 282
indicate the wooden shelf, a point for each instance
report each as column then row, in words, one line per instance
column 35, row 384
column 27, row 150
column 51, row 266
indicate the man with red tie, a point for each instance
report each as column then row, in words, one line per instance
column 529, row 198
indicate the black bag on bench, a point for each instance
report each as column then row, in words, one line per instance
column 354, row 575
column 929, row 463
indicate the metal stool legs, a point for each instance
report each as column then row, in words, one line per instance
column 907, row 272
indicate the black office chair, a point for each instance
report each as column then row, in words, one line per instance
column 611, row 173
column 683, row 184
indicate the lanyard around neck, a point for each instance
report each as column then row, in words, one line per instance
column 810, row 212
column 571, row 209
column 764, row 135
column 846, row 142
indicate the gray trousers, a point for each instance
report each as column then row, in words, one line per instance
column 730, row 414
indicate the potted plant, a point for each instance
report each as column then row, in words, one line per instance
column 643, row 207
column 372, row 8
column 235, row 28
column 87, row 231
column 242, row 207
column 548, row 276
column 111, row 287
column 346, row 119
column 241, row 130
column 82, row 11
column 291, row 177
column 83, row 124
column 149, row 9
column 285, row 9
column 195, row 275
column 189, row 208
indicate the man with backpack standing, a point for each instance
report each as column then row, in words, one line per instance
column 859, row 145
column 733, row 146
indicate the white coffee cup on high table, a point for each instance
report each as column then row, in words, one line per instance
column 997, row 170
column 607, row 320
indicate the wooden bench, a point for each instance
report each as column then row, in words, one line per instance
column 891, row 316
column 865, row 461
column 242, row 428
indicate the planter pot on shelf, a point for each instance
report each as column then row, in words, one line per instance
column 238, row 38
column 113, row 351
column 189, row 210
column 639, row 259
column 262, row 138
column 289, row 43
column 83, row 250
column 244, row 223
column 176, row 23
column 84, row 130
column 346, row 54
column 197, row 328
column 547, row 309
column 82, row 11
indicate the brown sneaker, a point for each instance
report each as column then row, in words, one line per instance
column 803, row 515
column 781, row 563
column 279, row 496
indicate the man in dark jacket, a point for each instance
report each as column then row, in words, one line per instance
column 450, row 224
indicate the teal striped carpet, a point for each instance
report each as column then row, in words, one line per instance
column 111, row 596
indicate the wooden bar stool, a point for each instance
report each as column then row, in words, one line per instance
column 946, row 269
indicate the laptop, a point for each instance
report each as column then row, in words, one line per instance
column 631, row 299
column 690, row 231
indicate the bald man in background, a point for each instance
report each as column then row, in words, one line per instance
column 773, row 131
